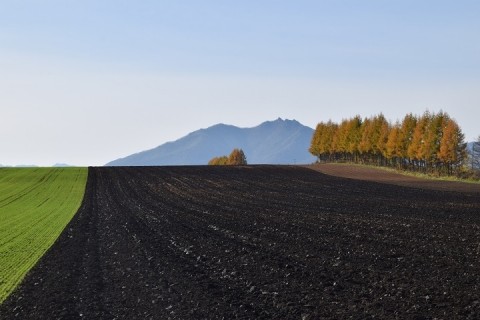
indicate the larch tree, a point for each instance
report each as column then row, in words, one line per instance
column 452, row 147
column 378, row 137
column 354, row 136
column 323, row 137
column 365, row 147
column 237, row 157
column 432, row 137
column 327, row 139
column 341, row 139
column 394, row 145
column 315, row 147
column 415, row 149
column 406, row 135
column 383, row 137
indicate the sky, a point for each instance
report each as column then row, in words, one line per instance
column 86, row 82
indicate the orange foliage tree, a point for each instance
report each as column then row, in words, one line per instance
column 237, row 158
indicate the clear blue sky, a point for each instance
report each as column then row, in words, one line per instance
column 85, row 82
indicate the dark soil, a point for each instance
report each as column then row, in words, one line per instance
column 261, row 242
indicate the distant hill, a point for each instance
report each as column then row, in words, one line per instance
column 34, row 166
column 272, row 142
column 61, row 165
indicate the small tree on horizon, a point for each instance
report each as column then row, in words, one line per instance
column 237, row 158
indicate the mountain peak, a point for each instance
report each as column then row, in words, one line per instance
column 279, row 122
column 293, row 121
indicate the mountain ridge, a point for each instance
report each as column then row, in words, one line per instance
column 272, row 142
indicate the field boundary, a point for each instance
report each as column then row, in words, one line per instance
column 368, row 173
column 35, row 206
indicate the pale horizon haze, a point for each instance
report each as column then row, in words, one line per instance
column 87, row 82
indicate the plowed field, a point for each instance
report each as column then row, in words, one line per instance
column 257, row 242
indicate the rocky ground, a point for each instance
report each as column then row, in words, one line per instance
column 257, row 242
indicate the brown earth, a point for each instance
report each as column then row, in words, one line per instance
column 257, row 242
column 383, row 176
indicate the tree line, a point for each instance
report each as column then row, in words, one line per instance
column 430, row 143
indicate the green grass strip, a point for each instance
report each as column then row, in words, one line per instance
column 35, row 206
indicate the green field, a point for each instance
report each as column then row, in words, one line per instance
column 35, row 206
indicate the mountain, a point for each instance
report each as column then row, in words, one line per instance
column 470, row 146
column 272, row 142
